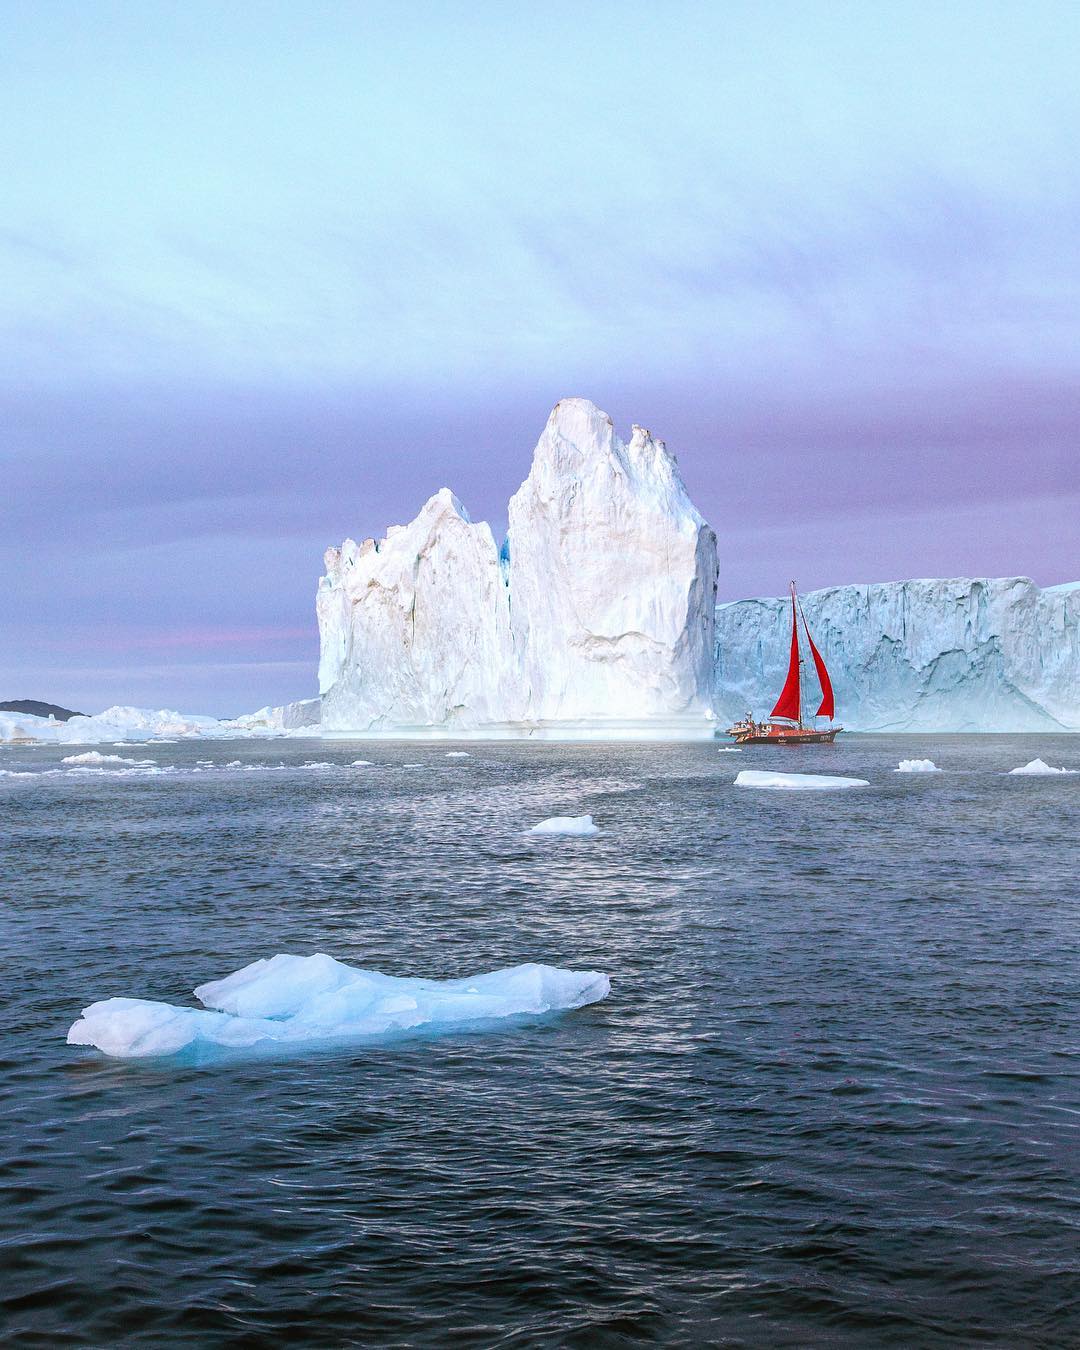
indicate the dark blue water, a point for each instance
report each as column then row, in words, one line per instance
column 830, row 1101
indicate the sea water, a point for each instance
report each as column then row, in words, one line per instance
column 830, row 1099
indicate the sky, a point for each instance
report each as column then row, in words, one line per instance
column 272, row 273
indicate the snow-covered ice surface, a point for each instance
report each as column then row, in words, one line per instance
column 595, row 617
column 302, row 999
column 987, row 654
column 917, row 766
column 757, row 778
column 457, row 754
column 580, row 825
column 1037, row 768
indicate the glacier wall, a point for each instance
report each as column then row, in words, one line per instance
column 997, row 654
column 597, row 615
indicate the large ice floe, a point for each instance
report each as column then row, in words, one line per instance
column 1038, row 768
column 594, row 618
column 997, row 654
column 292, row 1000
column 795, row 782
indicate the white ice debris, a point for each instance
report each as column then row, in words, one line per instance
column 989, row 654
column 597, row 613
column 126, row 726
column 757, row 778
column 916, row 766
column 730, row 750
column 1038, row 768
column 580, row 825
column 96, row 757
column 361, row 763
column 457, row 754
column 291, row 1000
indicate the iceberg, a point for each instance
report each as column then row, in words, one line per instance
column 916, row 766
column 415, row 628
column 1037, row 768
column 595, row 616
column 295, row 1000
column 612, row 578
column 996, row 654
column 757, row 778
column 579, row 825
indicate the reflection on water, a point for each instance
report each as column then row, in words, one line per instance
column 827, row 1101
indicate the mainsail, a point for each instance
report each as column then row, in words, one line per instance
column 789, row 704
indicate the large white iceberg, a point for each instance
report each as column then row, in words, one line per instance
column 612, row 578
column 291, row 1000
column 415, row 628
column 996, row 654
column 595, row 617
column 795, row 782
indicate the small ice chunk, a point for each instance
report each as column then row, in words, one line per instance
column 758, row 778
column 916, row 766
column 1038, row 767
column 296, row 999
column 580, row 825
column 730, row 750
column 357, row 763
column 457, row 754
column 97, row 758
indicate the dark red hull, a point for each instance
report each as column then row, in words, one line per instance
column 796, row 736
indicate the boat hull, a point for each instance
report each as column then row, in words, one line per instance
column 793, row 737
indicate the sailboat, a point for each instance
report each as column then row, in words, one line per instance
column 785, row 725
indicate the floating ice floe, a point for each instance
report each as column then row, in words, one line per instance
column 1038, row 768
column 457, row 754
column 358, row 763
column 580, row 825
column 758, row 778
column 96, row 757
column 730, row 750
column 916, row 766
column 295, row 999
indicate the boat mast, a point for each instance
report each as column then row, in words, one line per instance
column 796, row 603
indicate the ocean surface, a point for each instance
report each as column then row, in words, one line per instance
column 832, row 1099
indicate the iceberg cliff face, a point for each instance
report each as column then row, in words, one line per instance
column 415, row 629
column 996, row 654
column 612, row 577
column 599, row 611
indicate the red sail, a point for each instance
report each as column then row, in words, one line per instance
column 827, row 706
column 789, row 704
